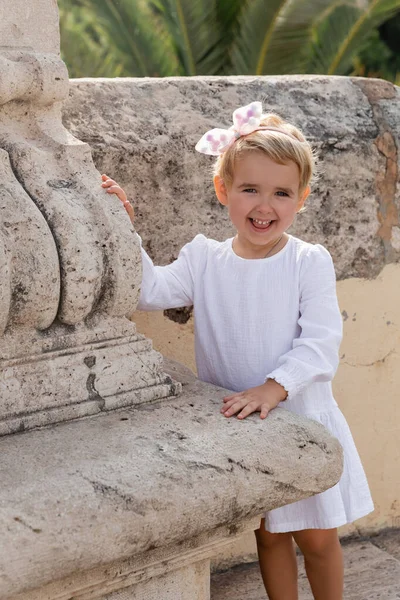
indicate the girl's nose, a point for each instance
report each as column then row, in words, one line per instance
column 265, row 202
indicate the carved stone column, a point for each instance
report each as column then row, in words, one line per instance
column 69, row 260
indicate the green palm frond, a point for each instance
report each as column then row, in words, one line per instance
column 212, row 37
column 229, row 13
column 228, row 18
column 274, row 35
column 136, row 35
column 192, row 26
column 83, row 45
column 338, row 38
column 252, row 43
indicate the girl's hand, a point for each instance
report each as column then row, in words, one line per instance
column 112, row 187
column 262, row 398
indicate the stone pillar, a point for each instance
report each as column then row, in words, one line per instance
column 69, row 260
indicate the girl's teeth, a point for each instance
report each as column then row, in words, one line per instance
column 261, row 222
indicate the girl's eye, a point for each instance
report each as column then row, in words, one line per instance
column 250, row 190
column 282, row 194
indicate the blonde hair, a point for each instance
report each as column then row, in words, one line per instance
column 282, row 143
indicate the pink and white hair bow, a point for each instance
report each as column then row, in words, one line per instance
column 246, row 119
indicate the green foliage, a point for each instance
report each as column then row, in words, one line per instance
column 343, row 32
column 275, row 35
column 380, row 54
column 189, row 25
column 136, row 35
column 212, row 37
column 83, row 44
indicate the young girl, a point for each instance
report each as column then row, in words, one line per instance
column 268, row 326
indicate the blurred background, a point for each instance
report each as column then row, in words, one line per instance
column 160, row 38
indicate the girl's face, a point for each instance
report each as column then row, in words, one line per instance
column 262, row 202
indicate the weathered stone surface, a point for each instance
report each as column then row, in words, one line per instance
column 57, row 172
column 100, row 377
column 30, row 24
column 128, row 483
column 190, row 583
column 143, row 133
column 389, row 541
column 27, row 301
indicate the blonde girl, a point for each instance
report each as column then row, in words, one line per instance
column 268, row 327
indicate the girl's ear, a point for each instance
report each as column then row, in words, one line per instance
column 220, row 190
column 303, row 198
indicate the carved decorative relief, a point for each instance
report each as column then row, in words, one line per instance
column 69, row 260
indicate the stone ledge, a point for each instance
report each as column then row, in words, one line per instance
column 143, row 131
column 95, row 491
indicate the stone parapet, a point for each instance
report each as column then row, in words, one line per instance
column 143, row 132
column 139, row 499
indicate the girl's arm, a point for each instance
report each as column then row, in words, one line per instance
column 162, row 287
column 315, row 353
column 170, row 286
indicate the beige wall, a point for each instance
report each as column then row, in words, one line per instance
column 367, row 387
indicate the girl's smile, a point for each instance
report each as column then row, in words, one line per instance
column 262, row 201
column 260, row 225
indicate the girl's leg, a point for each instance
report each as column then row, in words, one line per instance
column 323, row 562
column 278, row 564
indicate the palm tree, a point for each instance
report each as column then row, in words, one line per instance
column 214, row 37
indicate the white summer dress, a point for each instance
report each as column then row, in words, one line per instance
column 277, row 318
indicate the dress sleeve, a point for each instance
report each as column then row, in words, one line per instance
column 171, row 286
column 314, row 356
